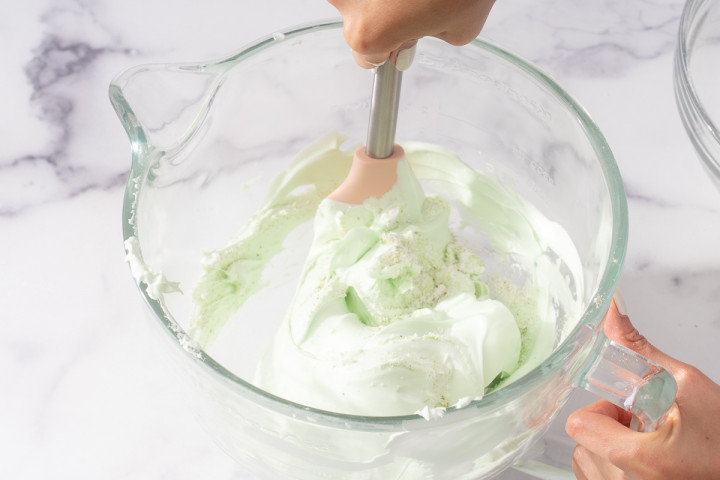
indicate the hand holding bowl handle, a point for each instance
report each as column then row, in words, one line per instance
column 685, row 443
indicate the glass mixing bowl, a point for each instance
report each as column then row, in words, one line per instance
column 207, row 140
column 697, row 71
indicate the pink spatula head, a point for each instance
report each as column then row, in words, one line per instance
column 374, row 168
column 368, row 177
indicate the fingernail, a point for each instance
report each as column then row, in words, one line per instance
column 405, row 58
column 620, row 303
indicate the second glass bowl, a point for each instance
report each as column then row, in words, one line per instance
column 697, row 79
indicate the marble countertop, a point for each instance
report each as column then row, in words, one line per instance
column 81, row 396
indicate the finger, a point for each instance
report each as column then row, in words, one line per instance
column 370, row 61
column 404, row 56
column 578, row 465
column 339, row 4
column 600, row 428
column 466, row 28
column 373, row 40
column 604, row 407
column 583, row 464
column 618, row 328
column 587, row 465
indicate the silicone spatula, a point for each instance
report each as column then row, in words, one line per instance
column 374, row 168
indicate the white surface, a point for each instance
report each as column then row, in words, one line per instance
column 81, row 395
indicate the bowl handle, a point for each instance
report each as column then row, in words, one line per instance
column 162, row 105
column 633, row 382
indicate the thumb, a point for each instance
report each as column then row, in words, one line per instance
column 618, row 328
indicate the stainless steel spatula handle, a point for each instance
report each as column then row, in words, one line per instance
column 384, row 111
